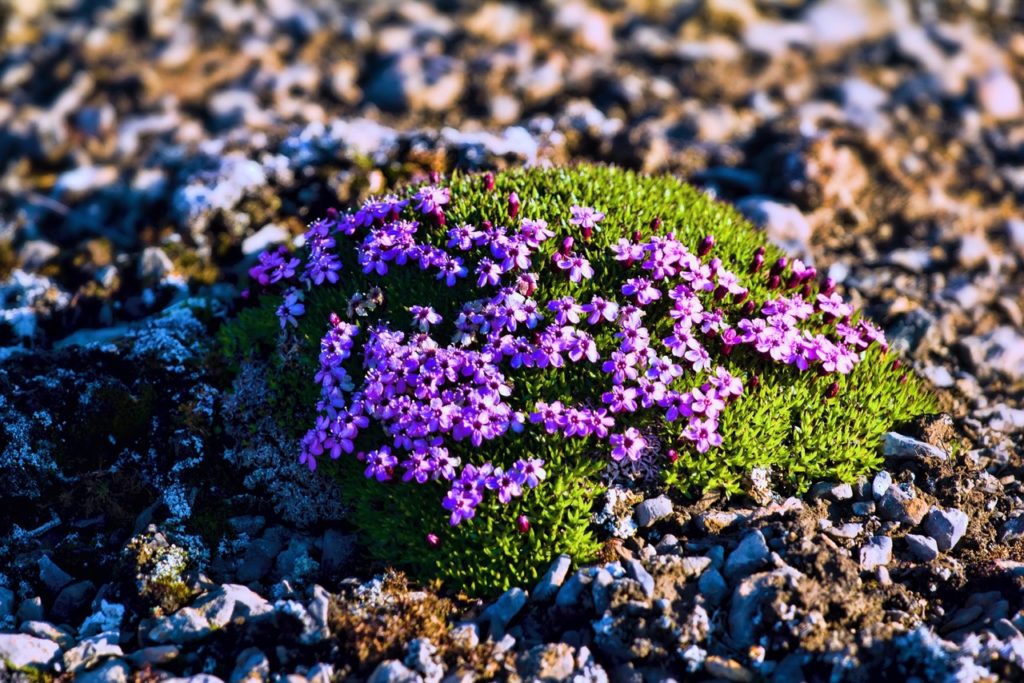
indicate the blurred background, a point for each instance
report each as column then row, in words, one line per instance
column 149, row 149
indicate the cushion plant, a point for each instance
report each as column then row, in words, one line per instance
column 466, row 357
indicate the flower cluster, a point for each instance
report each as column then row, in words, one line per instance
column 412, row 396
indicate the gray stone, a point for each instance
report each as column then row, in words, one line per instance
column 600, row 589
column 1001, row 350
column 259, row 558
column 91, row 650
column 748, row 597
column 831, row 491
column 947, row 526
column 295, row 562
column 6, row 602
column 504, row 610
column 749, row 555
column 250, row 525
column 863, row 508
column 880, row 484
column 1013, row 529
column 922, row 548
column 321, row 672
column 23, row 650
column 899, row 446
column 30, row 609
column 783, row 224
column 230, row 601
column 999, row 95
column 652, row 510
column 156, row 654
column 154, row 264
column 547, row 662
column 713, row 587
column 52, row 576
column 72, row 600
column 552, row 580
column 393, row 671
column 900, row 505
column 266, row 236
column 694, row 566
column 251, row 664
column 636, row 570
column 570, row 592
column 877, row 552
column 317, row 609
column 44, row 629
column 422, row 658
column 112, row 671
column 849, row 530
column 184, row 626
column 336, row 552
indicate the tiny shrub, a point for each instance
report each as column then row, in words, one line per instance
column 470, row 355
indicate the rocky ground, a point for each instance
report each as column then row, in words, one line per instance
column 155, row 523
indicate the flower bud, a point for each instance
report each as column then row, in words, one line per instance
column 435, row 177
column 828, row 286
column 488, row 181
column 655, row 225
column 749, row 308
column 637, row 236
column 757, row 263
column 774, row 282
column 755, row 381
column 433, row 541
column 513, row 205
column 832, row 391
column 903, row 378
column 720, row 292
column 705, row 245
column 897, row 364
column 523, row 524
column 439, row 216
column 567, row 246
column 740, row 297
column 673, row 455
column 779, row 266
column 805, row 291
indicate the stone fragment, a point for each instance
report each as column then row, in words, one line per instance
column 184, row 626
column 947, row 526
column 552, row 580
column 877, row 552
column 749, row 555
column 636, row 570
column 652, row 510
column 22, row 650
column 922, row 548
column 504, row 610
column 898, row 446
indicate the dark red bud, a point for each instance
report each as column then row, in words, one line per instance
column 673, row 455
column 705, row 245
column 487, row 226
column 523, row 524
column 637, row 236
column 759, row 251
column 334, row 320
column 588, row 233
column 726, row 349
column 741, row 297
column 779, row 266
column 774, row 282
column 903, row 378
column 433, row 541
column 720, row 293
column 435, row 177
column 832, row 391
column 757, row 263
column 755, row 381
column 805, row 291
column 749, row 307
column 792, row 281
column 513, row 205
column 439, row 215
column 897, row 364
column 828, row 286
column 567, row 245
column 488, row 181
column 655, row 224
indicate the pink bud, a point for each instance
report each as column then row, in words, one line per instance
column 774, row 282
column 705, row 245
column 757, row 263
column 655, row 225
column 740, row 297
column 433, row 541
column 435, row 177
column 828, row 286
column 637, row 236
column 755, row 381
column 805, row 291
column 488, row 181
column 439, row 215
column 748, row 308
column 513, row 205
column 779, row 266
column 673, row 455
column 523, row 524
column 720, row 293
column 903, row 378
column 832, row 391
column 567, row 245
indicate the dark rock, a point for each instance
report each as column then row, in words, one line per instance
column 552, row 580
column 947, row 526
column 900, row 505
column 749, row 555
column 635, row 569
column 504, row 610
column 336, row 552
column 52, row 576
column 73, row 601
column 30, row 609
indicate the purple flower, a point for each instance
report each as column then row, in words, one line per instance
column 424, row 316
column 598, row 309
column 509, row 484
column 531, row 470
column 578, row 267
column 622, row 366
column 431, row 199
column 292, row 307
column 620, row 399
column 642, row 289
column 703, row 434
column 585, row 217
column 628, row 445
column 566, row 310
column 725, row 384
column 380, row 464
column 834, row 305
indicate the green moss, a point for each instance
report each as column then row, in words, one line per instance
column 785, row 424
